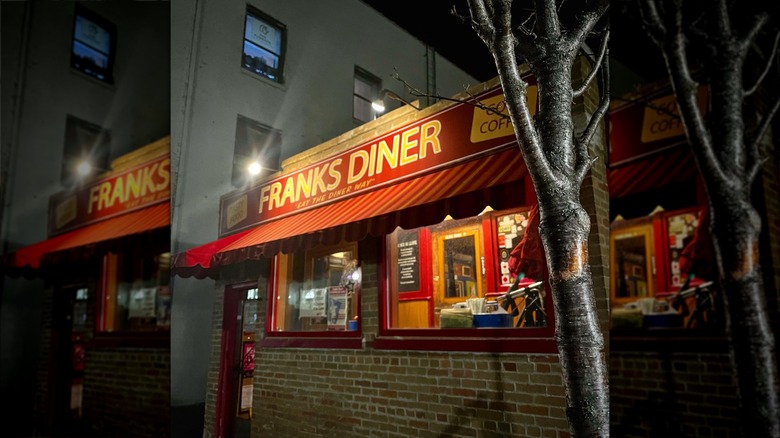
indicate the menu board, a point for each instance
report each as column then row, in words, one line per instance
column 408, row 261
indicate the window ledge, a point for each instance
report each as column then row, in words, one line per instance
column 500, row 343
column 160, row 339
column 307, row 341
column 278, row 85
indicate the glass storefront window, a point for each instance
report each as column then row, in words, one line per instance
column 317, row 290
column 456, row 274
column 136, row 293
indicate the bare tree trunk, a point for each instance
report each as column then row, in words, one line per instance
column 728, row 159
column 736, row 227
column 558, row 162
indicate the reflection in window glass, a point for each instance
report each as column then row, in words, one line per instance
column 317, row 290
column 631, row 262
column 263, row 45
column 93, row 40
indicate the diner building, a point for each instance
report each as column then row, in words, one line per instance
column 85, row 324
column 670, row 372
column 322, row 294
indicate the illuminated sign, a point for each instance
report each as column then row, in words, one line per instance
column 646, row 127
column 120, row 193
column 456, row 134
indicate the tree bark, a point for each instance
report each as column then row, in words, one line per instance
column 736, row 227
column 557, row 163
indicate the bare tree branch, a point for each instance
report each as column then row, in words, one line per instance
column 473, row 101
column 594, row 70
column 768, row 66
column 686, row 90
column 652, row 20
column 515, row 91
column 753, row 146
column 547, row 12
column 583, row 162
column 585, row 24
column 753, row 31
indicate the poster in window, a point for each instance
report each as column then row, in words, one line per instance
column 509, row 229
column 408, row 261
column 313, row 303
column 142, row 303
column 250, row 316
column 246, row 395
column 337, row 308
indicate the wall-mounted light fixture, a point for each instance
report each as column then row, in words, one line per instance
column 379, row 104
column 254, row 168
column 85, row 168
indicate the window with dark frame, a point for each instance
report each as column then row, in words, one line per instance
column 85, row 142
column 264, row 45
column 94, row 42
column 255, row 143
column 366, row 89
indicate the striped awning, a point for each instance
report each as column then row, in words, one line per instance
column 670, row 166
column 460, row 191
column 147, row 219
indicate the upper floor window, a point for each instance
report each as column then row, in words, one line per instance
column 86, row 150
column 257, row 151
column 264, row 45
column 94, row 40
column 366, row 90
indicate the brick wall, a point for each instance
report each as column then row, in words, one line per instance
column 212, row 384
column 43, row 385
column 376, row 393
column 320, row 393
column 127, row 391
column 672, row 394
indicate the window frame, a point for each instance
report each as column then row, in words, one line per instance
column 350, row 339
column 239, row 177
column 506, row 340
column 99, row 156
column 110, row 277
column 108, row 27
column 278, row 25
column 376, row 88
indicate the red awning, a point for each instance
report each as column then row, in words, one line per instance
column 459, row 191
column 674, row 165
column 29, row 257
column 196, row 262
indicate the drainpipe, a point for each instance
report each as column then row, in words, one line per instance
column 430, row 72
column 8, row 150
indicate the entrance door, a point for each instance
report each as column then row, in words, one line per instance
column 69, row 332
column 237, row 363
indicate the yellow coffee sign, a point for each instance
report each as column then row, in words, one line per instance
column 662, row 118
column 487, row 125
